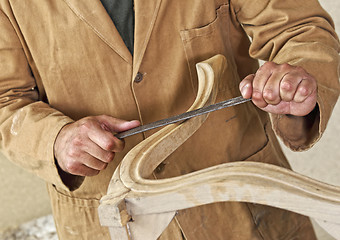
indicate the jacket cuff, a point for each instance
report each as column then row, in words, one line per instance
column 301, row 133
column 54, row 174
column 298, row 133
column 64, row 180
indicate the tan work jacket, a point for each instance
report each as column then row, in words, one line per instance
column 61, row 60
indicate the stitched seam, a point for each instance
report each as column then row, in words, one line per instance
column 211, row 27
column 187, row 60
column 95, row 30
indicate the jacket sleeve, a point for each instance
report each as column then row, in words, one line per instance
column 28, row 126
column 301, row 33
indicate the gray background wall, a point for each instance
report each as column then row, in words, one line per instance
column 23, row 196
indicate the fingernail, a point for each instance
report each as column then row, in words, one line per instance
column 135, row 121
column 244, row 89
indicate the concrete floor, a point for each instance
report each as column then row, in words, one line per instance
column 38, row 229
column 321, row 162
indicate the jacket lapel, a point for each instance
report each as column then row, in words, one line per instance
column 146, row 13
column 94, row 14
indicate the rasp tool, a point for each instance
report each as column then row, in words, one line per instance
column 183, row 116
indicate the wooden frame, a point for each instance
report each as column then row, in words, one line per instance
column 139, row 208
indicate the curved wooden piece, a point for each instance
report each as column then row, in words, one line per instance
column 140, row 162
column 132, row 196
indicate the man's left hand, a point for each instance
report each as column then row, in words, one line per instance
column 281, row 89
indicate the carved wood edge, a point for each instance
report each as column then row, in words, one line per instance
column 132, row 200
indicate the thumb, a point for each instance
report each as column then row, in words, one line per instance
column 112, row 124
column 246, row 86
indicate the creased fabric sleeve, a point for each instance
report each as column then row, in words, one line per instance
column 300, row 33
column 28, row 127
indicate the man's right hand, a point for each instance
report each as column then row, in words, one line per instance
column 85, row 147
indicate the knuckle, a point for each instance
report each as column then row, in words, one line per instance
column 303, row 91
column 269, row 95
column 77, row 141
column 109, row 145
column 73, row 152
column 257, row 96
column 285, row 66
column 85, row 125
column 71, row 167
column 258, row 99
column 300, row 69
column 286, row 86
column 267, row 66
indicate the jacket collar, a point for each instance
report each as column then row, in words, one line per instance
column 146, row 12
column 94, row 14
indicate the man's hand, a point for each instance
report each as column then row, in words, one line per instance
column 281, row 89
column 85, row 147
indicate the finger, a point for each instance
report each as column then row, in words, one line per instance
column 90, row 172
column 80, row 169
column 105, row 139
column 246, row 87
column 261, row 77
column 87, row 171
column 97, row 152
column 289, row 86
column 271, row 90
column 304, row 90
column 93, row 163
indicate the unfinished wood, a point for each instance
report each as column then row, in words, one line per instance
column 133, row 168
column 131, row 196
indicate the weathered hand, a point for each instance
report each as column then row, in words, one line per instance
column 85, row 147
column 281, row 89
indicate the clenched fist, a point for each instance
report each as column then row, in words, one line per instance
column 85, row 147
column 281, row 89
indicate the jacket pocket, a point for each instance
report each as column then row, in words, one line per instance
column 76, row 218
column 241, row 133
column 203, row 42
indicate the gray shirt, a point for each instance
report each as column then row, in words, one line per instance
column 122, row 15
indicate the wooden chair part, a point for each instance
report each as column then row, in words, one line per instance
column 139, row 208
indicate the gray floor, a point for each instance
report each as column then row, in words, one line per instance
column 40, row 229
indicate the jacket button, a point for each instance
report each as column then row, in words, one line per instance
column 138, row 78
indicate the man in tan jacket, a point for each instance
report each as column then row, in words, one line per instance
column 67, row 79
